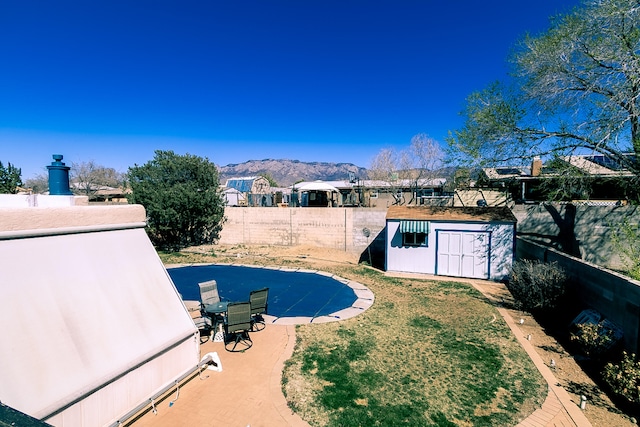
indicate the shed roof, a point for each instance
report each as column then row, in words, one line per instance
column 438, row 213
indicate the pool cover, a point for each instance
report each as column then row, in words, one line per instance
column 291, row 293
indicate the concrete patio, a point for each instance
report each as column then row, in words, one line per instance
column 246, row 393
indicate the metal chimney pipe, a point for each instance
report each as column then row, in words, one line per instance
column 59, row 177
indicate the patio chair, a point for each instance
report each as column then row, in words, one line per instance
column 209, row 296
column 237, row 326
column 258, row 300
column 209, row 292
column 205, row 327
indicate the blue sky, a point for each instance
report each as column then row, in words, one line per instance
column 336, row 81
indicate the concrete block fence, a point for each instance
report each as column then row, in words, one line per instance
column 615, row 296
column 349, row 229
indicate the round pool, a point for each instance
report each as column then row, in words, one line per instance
column 299, row 294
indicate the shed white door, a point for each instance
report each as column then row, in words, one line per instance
column 463, row 254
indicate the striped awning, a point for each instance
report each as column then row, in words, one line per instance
column 414, row 226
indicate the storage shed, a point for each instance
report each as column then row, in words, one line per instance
column 474, row 242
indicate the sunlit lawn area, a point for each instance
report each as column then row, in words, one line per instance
column 426, row 353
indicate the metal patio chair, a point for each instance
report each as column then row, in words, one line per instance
column 210, row 303
column 258, row 300
column 209, row 292
column 237, row 326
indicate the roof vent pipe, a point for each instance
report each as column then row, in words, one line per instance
column 59, row 177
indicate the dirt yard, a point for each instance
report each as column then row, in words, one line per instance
column 600, row 411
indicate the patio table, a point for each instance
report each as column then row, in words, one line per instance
column 217, row 312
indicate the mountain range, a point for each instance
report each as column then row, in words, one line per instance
column 287, row 172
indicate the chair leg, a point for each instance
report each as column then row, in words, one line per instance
column 258, row 323
column 242, row 338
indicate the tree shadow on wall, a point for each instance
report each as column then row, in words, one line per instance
column 565, row 240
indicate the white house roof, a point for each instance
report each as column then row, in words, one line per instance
column 317, row 186
column 405, row 183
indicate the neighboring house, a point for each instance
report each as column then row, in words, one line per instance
column 475, row 242
column 602, row 175
column 100, row 193
column 256, row 190
column 110, row 195
column 382, row 194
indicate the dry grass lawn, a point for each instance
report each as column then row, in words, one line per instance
column 426, row 353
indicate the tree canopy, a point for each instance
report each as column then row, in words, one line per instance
column 575, row 89
column 182, row 198
column 10, row 179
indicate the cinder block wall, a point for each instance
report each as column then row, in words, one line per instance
column 586, row 229
column 347, row 229
column 615, row 296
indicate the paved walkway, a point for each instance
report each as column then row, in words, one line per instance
column 558, row 409
column 248, row 391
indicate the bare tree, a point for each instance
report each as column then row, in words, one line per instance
column 87, row 178
column 386, row 168
column 38, row 184
column 410, row 167
column 425, row 160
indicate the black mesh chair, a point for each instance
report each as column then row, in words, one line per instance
column 258, row 300
column 237, row 326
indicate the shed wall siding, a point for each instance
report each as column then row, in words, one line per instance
column 423, row 259
column 414, row 259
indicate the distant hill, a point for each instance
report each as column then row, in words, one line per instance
column 288, row 172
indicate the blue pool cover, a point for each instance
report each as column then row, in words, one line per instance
column 291, row 293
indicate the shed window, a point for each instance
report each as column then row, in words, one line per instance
column 414, row 233
column 414, row 239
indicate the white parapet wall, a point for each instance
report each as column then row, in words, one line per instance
column 40, row 200
column 39, row 218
